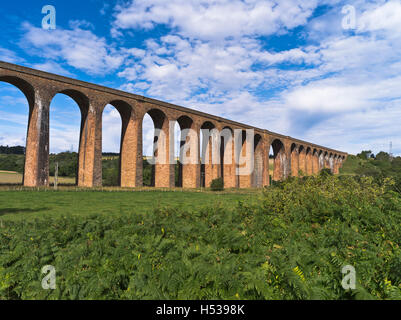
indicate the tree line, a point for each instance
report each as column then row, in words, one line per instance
column 365, row 163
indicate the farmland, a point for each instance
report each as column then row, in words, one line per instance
column 11, row 177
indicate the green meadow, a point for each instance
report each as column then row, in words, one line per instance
column 27, row 204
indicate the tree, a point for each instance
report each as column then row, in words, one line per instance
column 364, row 155
column 383, row 156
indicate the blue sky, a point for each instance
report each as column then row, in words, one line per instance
column 286, row 66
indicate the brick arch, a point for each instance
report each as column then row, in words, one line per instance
column 259, row 171
column 188, row 164
column 336, row 163
column 309, row 161
column 80, row 98
column 331, row 162
column 158, row 116
column 185, row 122
column 82, row 101
column 130, row 158
column 326, row 160
column 227, row 157
column 245, row 158
column 294, row 160
column 208, row 125
column 123, row 107
column 315, row 161
column 210, row 153
column 321, row 160
column 302, row 159
column 279, row 155
column 162, row 162
column 36, row 163
column 23, row 85
column 42, row 84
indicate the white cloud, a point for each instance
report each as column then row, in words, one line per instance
column 9, row 56
column 15, row 118
column 81, row 24
column 361, row 130
column 306, row 55
column 341, row 95
column 15, row 139
column 111, row 130
column 176, row 68
column 218, row 19
column 52, row 67
column 384, row 17
column 79, row 48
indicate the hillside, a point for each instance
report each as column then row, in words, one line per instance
column 378, row 167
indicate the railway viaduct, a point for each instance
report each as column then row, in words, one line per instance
column 291, row 156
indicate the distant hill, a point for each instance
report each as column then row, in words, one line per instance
column 378, row 166
column 12, row 150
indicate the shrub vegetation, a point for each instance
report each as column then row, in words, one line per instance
column 290, row 244
column 217, row 185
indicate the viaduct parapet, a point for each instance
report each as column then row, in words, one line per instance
column 291, row 156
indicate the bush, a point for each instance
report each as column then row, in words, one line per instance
column 290, row 244
column 326, row 172
column 217, row 184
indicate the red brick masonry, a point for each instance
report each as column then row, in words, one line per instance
column 291, row 156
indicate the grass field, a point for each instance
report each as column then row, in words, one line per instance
column 16, row 205
column 10, row 177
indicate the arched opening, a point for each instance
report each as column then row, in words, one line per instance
column 331, row 162
column 114, row 115
column 309, row 161
column 65, row 130
column 258, row 180
column 111, row 143
column 335, row 160
column 210, row 154
column 161, row 161
column 148, row 136
column 188, row 162
column 243, row 160
column 294, row 160
column 321, row 160
column 271, row 164
column 279, row 160
column 302, row 160
column 227, row 158
column 177, row 155
column 315, row 161
column 16, row 105
column 326, row 160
